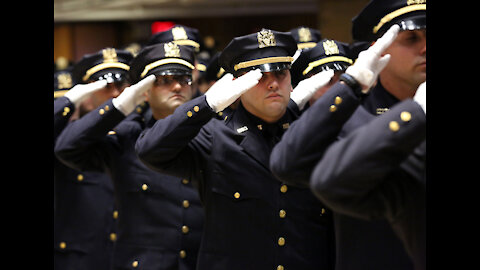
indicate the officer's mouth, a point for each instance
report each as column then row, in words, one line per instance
column 273, row 95
column 177, row 96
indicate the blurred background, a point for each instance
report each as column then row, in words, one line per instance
column 86, row 26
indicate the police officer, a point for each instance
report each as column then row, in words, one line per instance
column 335, row 114
column 187, row 36
column 407, row 67
column 83, row 201
column 326, row 55
column 252, row 220
column 108, row 64
column 160, row 218
column 306, row 38
column 390, row 150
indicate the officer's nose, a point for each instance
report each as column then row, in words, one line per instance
column 424, row 49
column 271, row 81
column 176, row 86
column 273, row 85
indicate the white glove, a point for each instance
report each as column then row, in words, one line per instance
column 307, row 87
column 226, row 90
column 421, row 96
column 370, row 62
column 133, row 95
column 80, row 92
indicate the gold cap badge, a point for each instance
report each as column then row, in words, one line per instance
column 266, row 39
column 64, row 81
column 330, row 47
column 109, row 55
column 304, row 34
column 171, row 50
column 179, row 33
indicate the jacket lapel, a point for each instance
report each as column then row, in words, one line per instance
column 249, row 138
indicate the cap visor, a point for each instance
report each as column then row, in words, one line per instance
column 413, row 23
column 270, row 67
column 171, row 69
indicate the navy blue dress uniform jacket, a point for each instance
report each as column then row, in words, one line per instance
column 378, row 171
column 160, row 217
column 252, row 220
column 360, row 244
column 84, row 221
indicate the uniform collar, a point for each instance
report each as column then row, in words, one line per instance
column 379, row 100
column 249, row 133
column 272, row 128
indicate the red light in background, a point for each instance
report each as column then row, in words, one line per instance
column 160, row 26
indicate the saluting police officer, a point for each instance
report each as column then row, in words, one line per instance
column 378, row 172
column 160, row 218
column 84, row 212
column 187, row 36
column 252, row 220
column 328, row 54
column 337, row 113
column 306, row 38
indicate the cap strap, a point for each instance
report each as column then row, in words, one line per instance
column 164, row 62
column 306, row 45
column 262, row 61
column 201, row 67
column 392, row 15
column 186, row 42
column 104, row 66
column 220, row 72
column 322, row 61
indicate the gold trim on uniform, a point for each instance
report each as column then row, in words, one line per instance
column 330, row 47
column 262, row 61
column 58, row 94
column 266, row 38
column 392, row 15
column 64, row 81
column 171, row 50
column 102, row 66
column 201, row 67
column 163, row 62
column 306, row 45
column 317, row 63
column 220, row 72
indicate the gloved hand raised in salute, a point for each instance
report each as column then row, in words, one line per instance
column 226, row 90
column 80, row 92
column 133, row 95
column 371, row 62
column 307, row 87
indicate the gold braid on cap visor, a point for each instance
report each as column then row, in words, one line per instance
column 330, row 59
column 103, row 66
column 392, row 15
column 267, row 60
column 164, row 62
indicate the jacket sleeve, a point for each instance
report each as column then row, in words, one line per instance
column 358, row 175
column 177, row 144
column 303, row 144
column 82, row 144
column 62, row 110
